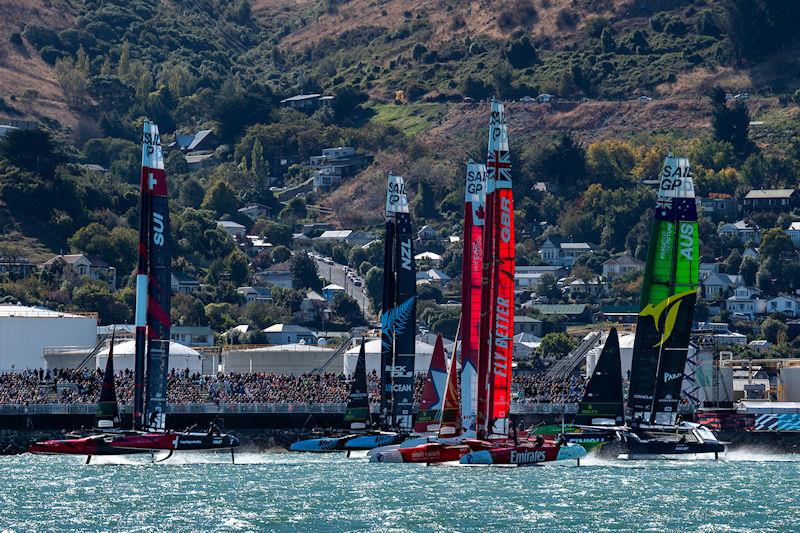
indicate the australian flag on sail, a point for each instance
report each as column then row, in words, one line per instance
column 674, row 209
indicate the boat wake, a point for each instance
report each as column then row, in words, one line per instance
column 758, row 455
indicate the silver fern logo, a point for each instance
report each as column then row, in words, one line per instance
column 396, row 320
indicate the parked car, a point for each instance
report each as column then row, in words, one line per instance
column 644, row 98
column 527, row 99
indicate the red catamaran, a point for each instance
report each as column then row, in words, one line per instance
column 151, row 361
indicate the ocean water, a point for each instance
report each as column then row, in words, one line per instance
column 744, row 491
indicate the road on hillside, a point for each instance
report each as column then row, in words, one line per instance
column 334, row 274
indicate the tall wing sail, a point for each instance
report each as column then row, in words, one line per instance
column 158, row 284
column 471, row 268
column 150, row 162
column 398, row 320
column 602, row 398
column 357, row 413
column 499, row 252
column 669, row 292
column 107, row 414
column 450, row 421
column 433, row 391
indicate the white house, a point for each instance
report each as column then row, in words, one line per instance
column 183, row 283
column 744, row 230
column 254, row 211
column 794, row 233
column 717, row 283
column 279, row 275
column 620, row 265
column 289, row 334
column 86, row 265
column 433, row 276
column 255, row 294
column 745, row 301
column 234, row 229
column 784, row 303
column 353, row 238
column 427, row 233
column 557, row 252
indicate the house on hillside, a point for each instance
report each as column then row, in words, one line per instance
column 784, row 303
column 254, row 211
column 794, row 233
column 717, row 283
column 706, row 269
column 771, row 200
column 620, row 265
column 279, row 275
column 255, row 294
column 427, row 233
column 289, row 334
column 234, row 229
column 180, row 282
column 311, row 228
column 719, row 206
column 307, row 102
column 336, row 164
column 330, row 291
column 432, row 276
column 526, row 324
column 86, row 265
column 744, row 230
column 203, row 140
column 746, row 302
column 575, row 313
column 351, row 237
column 192, row 335
column 557, row 252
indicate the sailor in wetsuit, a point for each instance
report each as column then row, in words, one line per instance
column 539, row 441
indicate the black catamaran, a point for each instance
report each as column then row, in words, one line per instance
column 151, row 361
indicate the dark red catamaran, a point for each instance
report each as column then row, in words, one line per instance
column 151, row 362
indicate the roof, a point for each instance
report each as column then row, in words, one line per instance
column 759, row 194
column 301, row 97
column 291, row 347
column 335, row 234
column 129, row 348
column 183, row 277
column 794, row 226
column 314, row 295
column 229, row 224
column 286, row 328
column 263, row 292
column 560, row 309
column 624, row 260
column 575, row 246
column 199, row 158
column 786, row 296
column 198, row 138
column 521, row 319
column 428, row 255
column 24, row 311
column 332, row 287
column 73, row 258
column 280, row 267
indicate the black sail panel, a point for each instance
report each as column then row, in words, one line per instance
column 602, row 398
column 107, row 414
column 387, row 330
column 405, row 323
column 159, row 292
column 357, row 413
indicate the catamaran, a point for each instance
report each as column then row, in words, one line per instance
column 151, row 360
column 447, row 446
column 357, row 415
column 663, row 328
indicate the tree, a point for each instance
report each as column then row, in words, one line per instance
column 94, row 296
column 424, row 205
column 607, row 40
column 221, row 199
column 32, row 150
column 557, row 345
column 373, row 284
column 732, row 124
column 186, row 310
column 295, row 210
column 277, row 233
column 280, row 254
column 238, row 267
column 748, row 269
column 733, row 262
column 191, row 193
column 563, row 161
column 475, row 88
column 519, row 52
column 346, row 103
column 304, row 272
column 259, row 167
column 347, row 308
column 776, row 244
column 548, row 287
column 774, row 330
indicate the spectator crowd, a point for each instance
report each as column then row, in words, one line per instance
column 68, row 386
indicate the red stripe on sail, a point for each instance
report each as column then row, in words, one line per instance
column 502, row 324
column 487, row 295
column 431, row 396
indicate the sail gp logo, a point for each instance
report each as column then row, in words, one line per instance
column 671, row 305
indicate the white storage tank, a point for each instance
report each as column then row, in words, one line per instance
column 26, row 332
column 789, row 377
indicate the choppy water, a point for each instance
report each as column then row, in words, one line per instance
column 286, row 492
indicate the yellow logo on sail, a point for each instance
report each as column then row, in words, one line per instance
column 673, row 304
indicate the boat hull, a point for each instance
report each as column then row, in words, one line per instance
column 525, row 454
column 431, row 452
column 321, row 445
column 370, row 441
column 131, row 443
column 589, row 439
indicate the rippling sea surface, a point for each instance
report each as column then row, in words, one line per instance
column 301, row 492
